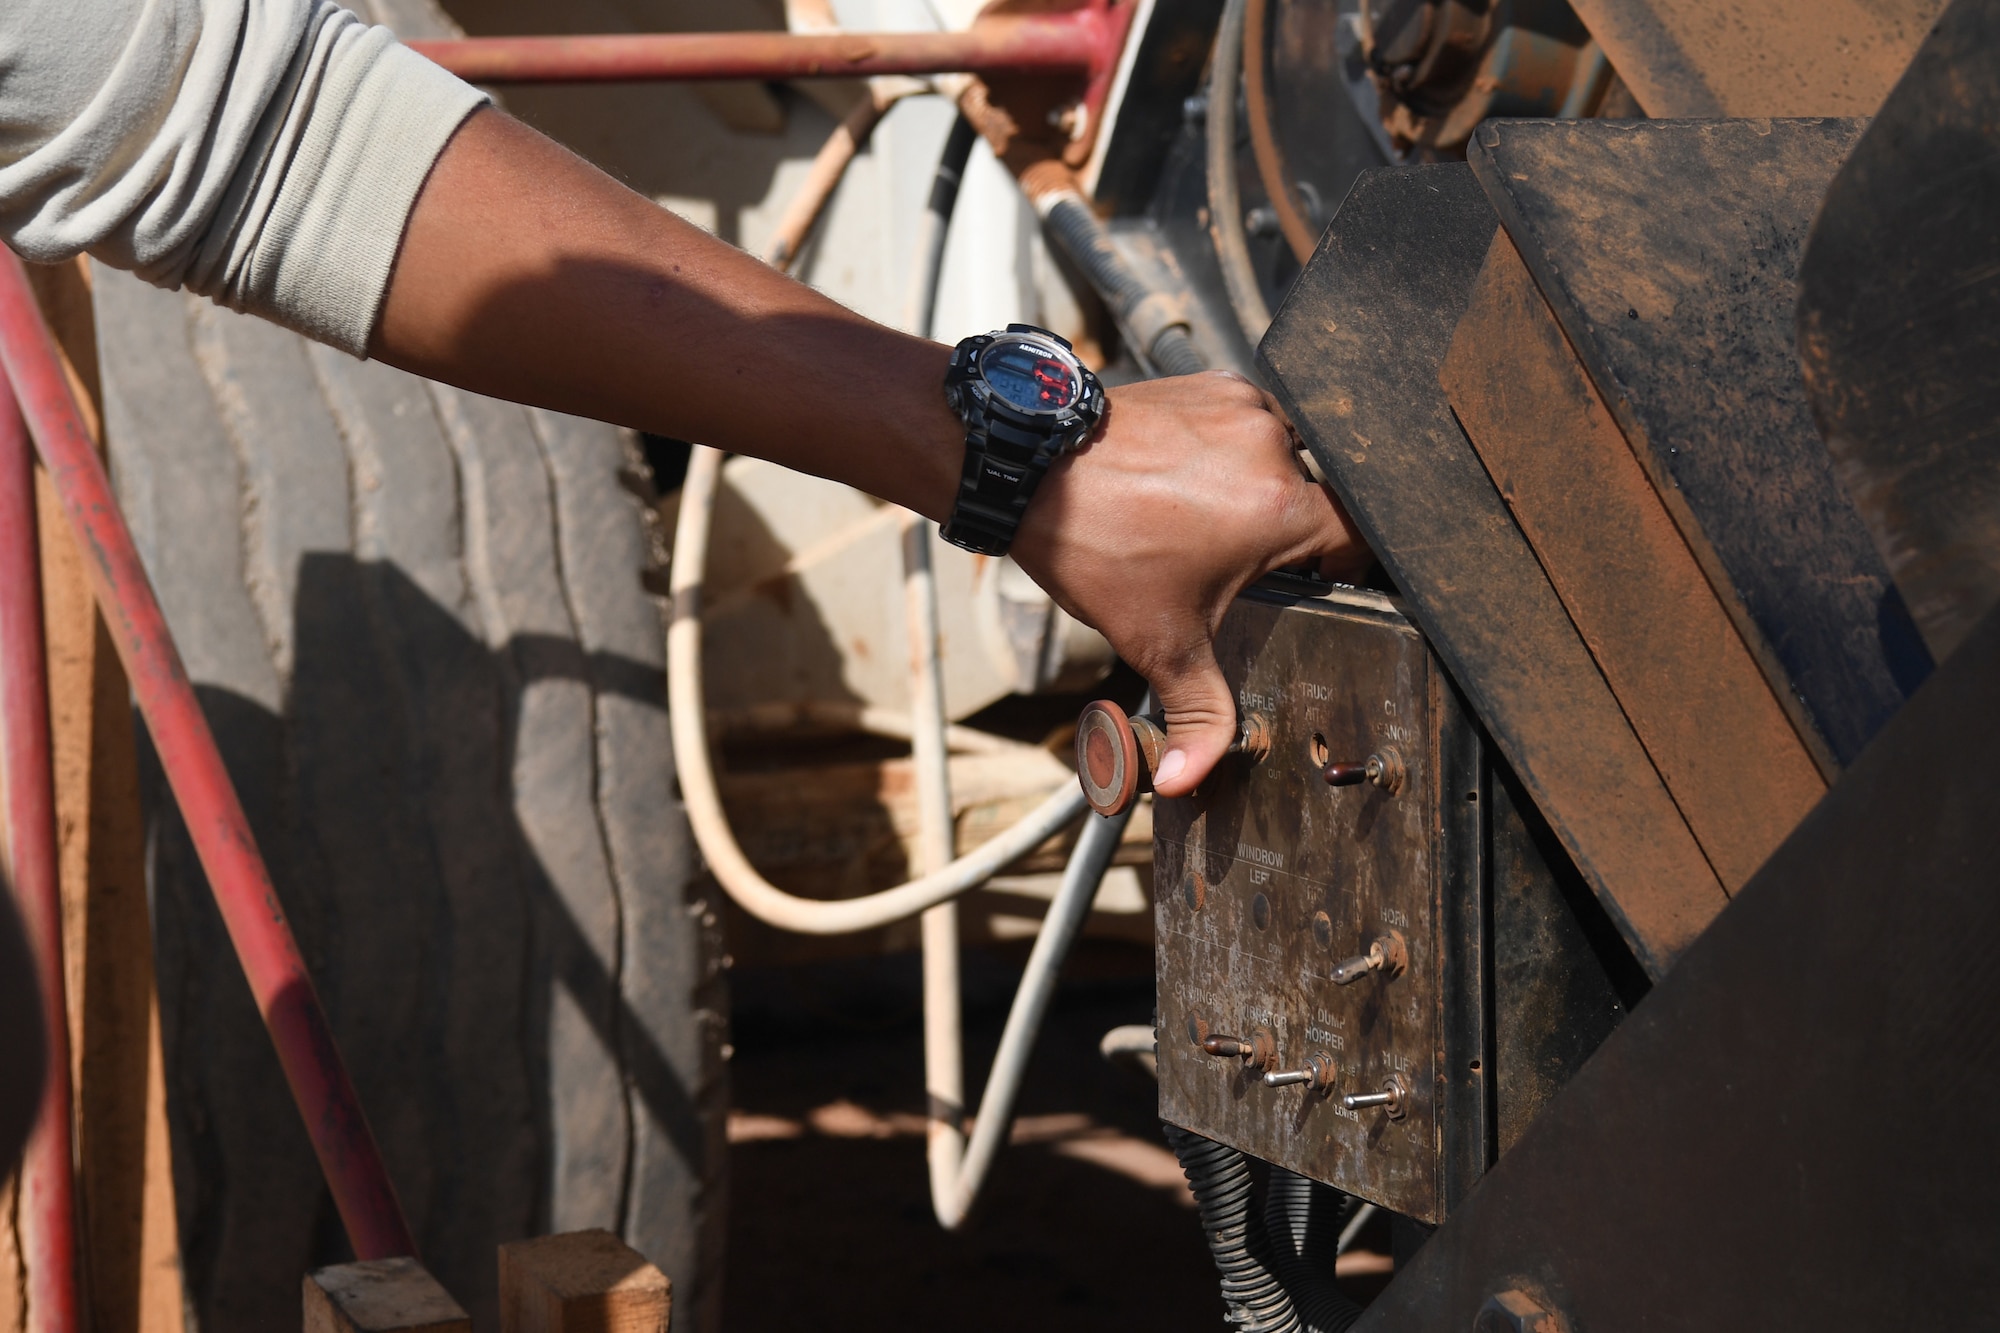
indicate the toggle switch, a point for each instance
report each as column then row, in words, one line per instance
column 1116, row 754
column 1317, row 1074
column 1394, row 1098
column 1261, row 1050
column 1387, row 955
column 1384, row 768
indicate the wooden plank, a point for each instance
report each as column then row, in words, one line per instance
column 1354, row 356
column 581, row 1282
column 380, row 1296
column 1669, row 252
column 1899, row 328
column 128, row 1242
column 1722, row 743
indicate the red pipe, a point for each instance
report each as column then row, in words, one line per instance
column 1079, row 42
column 48, row 1181
column 236, row 874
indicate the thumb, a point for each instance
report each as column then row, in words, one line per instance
column 1201, row 720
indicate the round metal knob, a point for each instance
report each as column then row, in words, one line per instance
column 1107, row 757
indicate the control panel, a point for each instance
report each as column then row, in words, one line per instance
column 1319, row 911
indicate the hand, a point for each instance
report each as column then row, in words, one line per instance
column 1189, row 493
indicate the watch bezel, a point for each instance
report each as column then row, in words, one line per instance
column 972, row 397
column 1042, row 345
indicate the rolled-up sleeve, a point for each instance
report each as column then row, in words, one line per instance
column 265, row 153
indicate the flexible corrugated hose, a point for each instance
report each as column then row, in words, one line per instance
column 1153, row 319
column 1276, row 1269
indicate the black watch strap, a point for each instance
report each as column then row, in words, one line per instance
column 1004, row 463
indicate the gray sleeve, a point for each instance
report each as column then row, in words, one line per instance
column 265, row 153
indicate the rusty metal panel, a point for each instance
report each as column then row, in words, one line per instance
column 1354, row 356
column 1758, row 57
column 1788, row 1133
column 1670, row 252
column 1270, row 877
column 1899, row 327
column 1721, row 741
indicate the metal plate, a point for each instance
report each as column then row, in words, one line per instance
column 1670, row 254
column 1721, row 741
column 1244, row 868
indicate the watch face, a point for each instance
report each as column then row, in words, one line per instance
column 1030, row 375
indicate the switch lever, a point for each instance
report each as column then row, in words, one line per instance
column 1386, row 954
column 1384, row 768
column 1394, row 1098
column 1318, row 1075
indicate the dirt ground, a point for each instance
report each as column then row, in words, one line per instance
column 1085, row 1223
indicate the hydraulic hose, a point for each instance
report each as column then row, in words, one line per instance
column 958, row 1169
column 935, row 226
column 686, row 696
column 1155, row 320
column 1225, row 202
column 755, row 894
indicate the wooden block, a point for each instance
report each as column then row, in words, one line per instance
column 1724, row 745
column 1354, row 357
column 581, row 1282
column 380, row 1296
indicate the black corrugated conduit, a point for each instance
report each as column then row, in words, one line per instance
column 1303, row 1222
column 1277, row 1269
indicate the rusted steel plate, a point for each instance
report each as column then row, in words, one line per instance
column 1722, row 743
column 1669, row 252
column 1758, row 57
column 1899, row 327
column 1354, row 356
column 1269, row 877
column 1830, row 1037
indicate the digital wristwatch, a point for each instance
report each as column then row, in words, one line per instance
column 1026, row 401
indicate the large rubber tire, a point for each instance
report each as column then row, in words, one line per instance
column 416, row 620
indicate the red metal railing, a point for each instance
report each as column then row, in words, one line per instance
column 47, row 1199
column 1083, row 42
column 236, row 873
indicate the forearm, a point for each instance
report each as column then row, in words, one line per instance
column 528, row 274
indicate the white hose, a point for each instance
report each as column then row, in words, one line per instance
column 952, row 1198
column 687, row 716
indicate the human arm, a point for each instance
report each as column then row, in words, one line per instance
column 528, row 274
